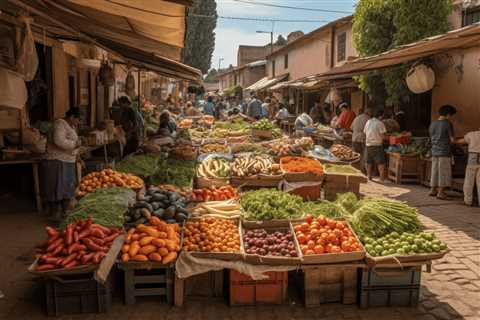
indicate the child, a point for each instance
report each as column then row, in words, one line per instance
column 441, row 135
column 472, row 172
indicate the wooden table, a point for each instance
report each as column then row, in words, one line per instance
column 36, row 179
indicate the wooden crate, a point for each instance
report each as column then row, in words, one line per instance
column 147, row 279
column 205, row 285
column 403, row 168
column 332, row 188
column 329, row 283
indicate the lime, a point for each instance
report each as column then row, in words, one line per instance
column 378, row 248
column 443, row 246
column 384, row 253
column 410, row 239
column 369, row 247
column 436, row 242
column 394, row 234
column 435, row 248
column 407, row 249
column 400, row 251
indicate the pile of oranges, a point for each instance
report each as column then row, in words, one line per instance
column 211, row 235
column 108, row 178
column 324, row 235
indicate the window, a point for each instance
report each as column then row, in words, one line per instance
column 285, row 61
column 273, row 68
column 341, row 47
column 471, row 16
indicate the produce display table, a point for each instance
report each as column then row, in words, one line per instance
column 36, row 179
column 403, row 168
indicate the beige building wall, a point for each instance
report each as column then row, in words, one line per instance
column 460, row 91
column 350, row 49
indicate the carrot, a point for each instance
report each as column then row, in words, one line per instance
column 93, row 246
column 71, row 264
column 50, row 260
column 58, row 250
column 111, row 237
column 69, row 259
column 105, row 230
column 84, row 233
column 86, row 258
column 69, row 234
column 76, row 247
column 98, row 241
column 51, row 232
column 98, row 257
column 55, row 244
column 45, row 267
column 96, row 232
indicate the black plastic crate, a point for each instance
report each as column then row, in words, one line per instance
column 389, row 297
column 79, row 293
column 387, row 277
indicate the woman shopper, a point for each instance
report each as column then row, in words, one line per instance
column 441, row 136
column 58, row 169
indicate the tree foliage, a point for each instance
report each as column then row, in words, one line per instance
column 380, row 25
column 200, row 37
column 211, row 76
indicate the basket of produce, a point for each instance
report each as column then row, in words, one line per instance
column 324, row 240
column 157, row 242
column 228, row 209
column 79, row 248
column 108, row 178
column 344, row 153
column 213, row 172
column 184, row 152
column 270, row 245
column 214, row 148
column 214, row 194
column 169, row 206
column 398, row 248
column 255, row 170
column 343, row 174
column 290, row 147
column 270, row 206
column 213, row 238
column 185, row 123
column 300, row 169
column 262, row 129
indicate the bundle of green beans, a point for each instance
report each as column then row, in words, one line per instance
column 377, row 217
column 106, row 206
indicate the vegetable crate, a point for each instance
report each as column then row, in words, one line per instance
column 261, row 133
column 147, row 279
column 76, row 293
column 403, row 168
column 332, row 188
column 329, row 283
column 244, row 291
column 396, row 287
column 308, row 193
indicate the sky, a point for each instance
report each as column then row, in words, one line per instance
column 232, row 33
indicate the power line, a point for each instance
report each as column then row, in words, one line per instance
column 289, row 7
column 253, row 19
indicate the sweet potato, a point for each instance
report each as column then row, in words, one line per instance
column 125, row 248
column 158, row 242
column 125, row 257
column 171, row 245
column 155, row 256
column 140, row 257
column 134, row 248
column 146, row 240
column 146, row 250
column 169, row 258
column 163, row 251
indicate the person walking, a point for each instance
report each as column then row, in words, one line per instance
column 441, row 136
column 209, row 107
column 358, row 136
column 472, row 172
column 254, row 109
column 58, row 168
column 374, row 153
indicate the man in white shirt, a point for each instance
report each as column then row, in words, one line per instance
column 375, row 154
column 358, row 136
column 472, row 172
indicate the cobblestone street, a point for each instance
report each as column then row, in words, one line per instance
column 450, row 291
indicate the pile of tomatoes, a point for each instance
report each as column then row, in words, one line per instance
column 215, row 194
column 324, row 235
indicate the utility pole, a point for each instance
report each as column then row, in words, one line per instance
column 219, row 63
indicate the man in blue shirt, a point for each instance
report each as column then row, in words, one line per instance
column 209, row 107
column 254, row 109
column 441, row 136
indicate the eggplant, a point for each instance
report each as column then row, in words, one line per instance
column 174, row 196
column 180, row 217
column 170, row 221
column 143, row 204
column 170, row 212
column 158, row 197
column 153, row 190
column 183, row 210
column 159, row 213
column 148, row 198
column 146, row 213
column 142, row 220
column 136, row 215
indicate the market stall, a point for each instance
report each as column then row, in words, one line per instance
column 171, row 224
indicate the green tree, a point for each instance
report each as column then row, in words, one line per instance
column 200, row 37
column 211, row 76
column 380, row 25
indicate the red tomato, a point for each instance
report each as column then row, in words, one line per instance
column 327, row 227
column 309, row 252
column 346, row 246
column 335, row 249
column 305, row 227
column 347, row 232
column 332, row 238
column 321, row 220
column 328, row 248
column 309, row 218
column 304, row 249
column 315, row 225
column 298, row 228
column 321, row 241
column 315, row 233
column 301, row 238
column 340, row 225
column 324, row 235
column 338, row 233
column 331, row 223
column 344, row 238
column 318, row 249
column 308, row 236
column 322, row 230
column 311, row 244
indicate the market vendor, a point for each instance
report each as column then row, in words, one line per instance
column 472, row 172
column 167, row 126
column 254, row 109
column 441, row 136
column 346, row 117
column 190, row 110
column 58, row 169
column 303, row 121
column 125, row 116
column 316, row 113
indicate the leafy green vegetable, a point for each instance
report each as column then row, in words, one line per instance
column 140, row 165
column 234, row 125
column 269, row 204
column 106, row 206
column 176, row 172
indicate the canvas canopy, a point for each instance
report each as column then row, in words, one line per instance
column 266, row 83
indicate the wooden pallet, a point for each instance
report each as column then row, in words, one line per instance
column 403, row 168
column 147, row 279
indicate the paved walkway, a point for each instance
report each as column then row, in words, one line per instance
column 451, row 291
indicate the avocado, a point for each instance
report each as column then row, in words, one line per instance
column 170, row 212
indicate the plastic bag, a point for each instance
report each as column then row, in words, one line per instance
column 27, row 62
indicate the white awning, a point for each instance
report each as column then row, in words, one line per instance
column 266, row 83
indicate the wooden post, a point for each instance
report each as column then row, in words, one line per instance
column 138, row 80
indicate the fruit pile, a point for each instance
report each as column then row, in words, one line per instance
column 324, row 235
column 211, row 235
column 214, row 194
column 108, row 178
column 278, row 243
column 403, row 244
